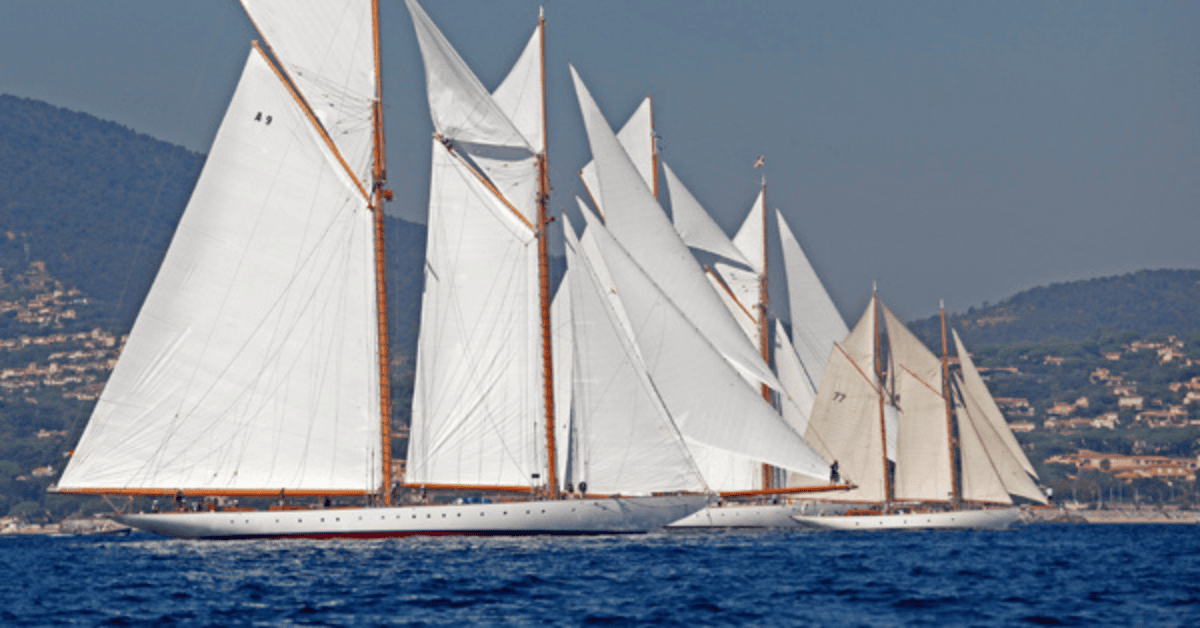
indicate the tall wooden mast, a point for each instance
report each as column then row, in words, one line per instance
column 378, row 194
column 888, row 490
column 764, row 344
column 544, row 279
column 949, row 410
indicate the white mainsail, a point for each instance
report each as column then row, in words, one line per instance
column 327, row 49
column 703, row 393
column 628, row 442
column 816, row 322
column 478, row 377
column 637, row 138
column 637, row 221
column 478, row 391
column 252, row 364
column 922, row 438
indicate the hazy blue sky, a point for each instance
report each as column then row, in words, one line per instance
column 964, row 150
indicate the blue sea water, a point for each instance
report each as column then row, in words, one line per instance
column 1073, row 575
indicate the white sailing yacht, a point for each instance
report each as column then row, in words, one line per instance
column 257, row 365
column 924, row 450
column 742, row 437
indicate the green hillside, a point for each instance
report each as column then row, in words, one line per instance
column 1145, row 302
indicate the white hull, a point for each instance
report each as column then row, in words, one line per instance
column 996, row 519
column 745, row 516
column 612, row 515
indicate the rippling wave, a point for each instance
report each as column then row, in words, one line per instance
column 1064, row 575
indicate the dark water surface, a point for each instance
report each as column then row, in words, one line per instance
column 1074, row 575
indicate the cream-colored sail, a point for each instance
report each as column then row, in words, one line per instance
column 707, row 398
column 327, row 49
column 252, row 364
column 635, row 219
column 844, row 426
column 922, row 441
column 977, row 391
column 637, row 138
column 1006, row 467
column 478, row 387
column 816, row 322
column 628, row 442
column 980, row 479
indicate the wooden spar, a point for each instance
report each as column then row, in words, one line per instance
column 729, row 291
column 484, row 181
column 471, row 487
column 213, row 492
column 312, row 118
column 379, row 171
column 544, row 280
column 887, row 476
column 789, row 491
column 764, row 298
column 949, row 410
column 653, row 146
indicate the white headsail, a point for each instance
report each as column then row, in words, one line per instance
column 707, row 398
column 628, row 443
column 638, row 222
column 637, row 138
column 252, row 364
column 816, row 322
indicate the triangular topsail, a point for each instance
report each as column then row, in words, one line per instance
column 252, row 364
column 816, row 322
column 637, row 138
column 637, row 221
column 327, row 49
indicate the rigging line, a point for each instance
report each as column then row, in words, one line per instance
column 162, row 181
column 312, row 118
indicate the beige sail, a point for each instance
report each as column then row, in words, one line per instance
column 922, row 447
column 977, row 390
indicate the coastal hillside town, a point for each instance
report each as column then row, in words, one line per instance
column 1116, row 417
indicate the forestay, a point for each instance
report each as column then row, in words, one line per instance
column 252, row 364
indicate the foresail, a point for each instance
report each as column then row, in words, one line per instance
column 980, row 479
column 816, row 322
column 478, row 388
column 327, row 48
column 708, row 399
column 253, row 362
column 977, row 390
column 989, row 452
column 636, row 220
column 627, row 441
column 637, row 138
column 797, row 401
column 922, row 441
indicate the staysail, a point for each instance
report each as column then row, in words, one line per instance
column 816, row 322
column 252, row 364
column 637, row 138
